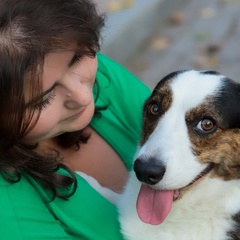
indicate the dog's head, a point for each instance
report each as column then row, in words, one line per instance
column 191, row 129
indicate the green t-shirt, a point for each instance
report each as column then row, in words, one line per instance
column 124, row 95
column 26, row 212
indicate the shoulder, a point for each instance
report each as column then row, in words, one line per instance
column 124, row 95
column 119, row 76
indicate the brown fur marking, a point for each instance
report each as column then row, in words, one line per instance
column 162, row 96
column 221, row 147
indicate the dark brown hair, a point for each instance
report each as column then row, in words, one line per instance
column 30, row 29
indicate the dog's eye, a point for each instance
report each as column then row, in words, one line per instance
column 153, row 109
column 206, row 125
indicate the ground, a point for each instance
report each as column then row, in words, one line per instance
column 202, row 35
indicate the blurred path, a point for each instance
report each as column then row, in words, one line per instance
column 130, row 22
column 202, row 34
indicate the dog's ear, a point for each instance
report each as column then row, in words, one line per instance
column 228, row 103
column 210, row 72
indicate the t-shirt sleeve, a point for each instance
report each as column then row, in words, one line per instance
column 123, row 95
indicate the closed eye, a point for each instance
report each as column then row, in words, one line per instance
column 76, row 58
column 45, row 102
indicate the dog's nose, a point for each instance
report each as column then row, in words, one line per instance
column 150, row 171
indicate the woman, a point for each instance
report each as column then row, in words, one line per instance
column 64, row 108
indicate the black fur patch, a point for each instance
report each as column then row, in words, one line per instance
column 227, row 103
column 168, row 77
column 235, row 233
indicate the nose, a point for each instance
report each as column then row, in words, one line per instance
column 79, row 95
column 149, row 171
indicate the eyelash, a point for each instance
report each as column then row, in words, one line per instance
column 77, row 59
column 46, row 102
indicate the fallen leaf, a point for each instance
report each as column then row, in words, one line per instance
column 160, row 43
column 177, row 18
column 201, row 36
column 207, row 13
column 213, row 48
column 119, row 5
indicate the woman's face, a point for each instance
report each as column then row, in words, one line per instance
column 67, row 104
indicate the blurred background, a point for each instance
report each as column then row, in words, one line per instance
column 155, row 37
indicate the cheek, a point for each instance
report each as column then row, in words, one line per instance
column 223, row 150
column 87, row 69
column 46, row 125
column 90, row 66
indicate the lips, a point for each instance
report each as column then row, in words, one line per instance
column 202, row 174
column 199, row 176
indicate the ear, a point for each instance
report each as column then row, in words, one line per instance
column 228, row 103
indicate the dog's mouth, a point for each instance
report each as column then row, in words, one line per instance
column 202, row 174
column 153, row 206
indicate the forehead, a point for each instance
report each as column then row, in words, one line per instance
column 188, row 89
column 178, row 94
column 55, row 66
column 46, row 73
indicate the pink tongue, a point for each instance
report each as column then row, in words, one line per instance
column 153, row 206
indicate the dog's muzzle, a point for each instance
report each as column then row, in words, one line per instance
column 149, row 171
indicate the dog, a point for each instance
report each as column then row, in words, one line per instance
column 186, row 179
